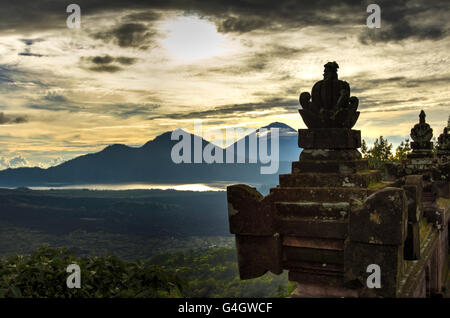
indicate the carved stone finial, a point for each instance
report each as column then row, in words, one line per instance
column 444, row 140
column 330, row 104
column 422, row 117
column 422, row 133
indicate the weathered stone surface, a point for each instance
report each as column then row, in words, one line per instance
column 414, row 196
column 308, row 267
column 312, row 228
column 393, row 171
column 362, row 179
column 329, row 166
column 435, row 215
column 412, row 242
column 318, row 279
column 330, row 211
column 316, row 194
column 358, row 256
column 305, row 290
column 247, row 212
column 304, row 254
column 441, row 189
column 382, row 219
column 318, row 243
column 330, row 154
column 258, row 254
column 329, row 138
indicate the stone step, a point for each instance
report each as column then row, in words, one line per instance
column 318, row 279
column 329, row 138
column 313, row 210
column 316, row 194
column 320, row 243
column 358, row 180
column 308, row 267
column 316, row 228
column 329, row 166
column 313, row 255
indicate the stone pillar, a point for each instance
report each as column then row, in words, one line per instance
column 377, row 231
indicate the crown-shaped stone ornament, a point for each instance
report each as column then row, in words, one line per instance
column 330, row 105
column 444, row 140
column 421, row 135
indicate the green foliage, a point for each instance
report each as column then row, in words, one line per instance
column 184, row 274
column 402, row 151
column 43, row 274
column 215, row 274
column 379, row 154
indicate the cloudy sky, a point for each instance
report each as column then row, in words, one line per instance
column 136, row 69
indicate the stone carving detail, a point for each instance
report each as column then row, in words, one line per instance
column 421, row 133
column 330, row 105
column 444, row 140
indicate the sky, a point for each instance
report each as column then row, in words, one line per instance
column 136, row 69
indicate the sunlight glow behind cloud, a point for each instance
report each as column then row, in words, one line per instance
column 191, row 38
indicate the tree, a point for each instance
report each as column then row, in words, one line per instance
column 43, row 274
column 402, row 151
column 379, row 154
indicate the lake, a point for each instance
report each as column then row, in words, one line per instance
column 201, row 187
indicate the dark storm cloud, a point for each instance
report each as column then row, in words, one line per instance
column 259, row 61
column 131, row 110
column 11, row 119
column 362, row 82
column 56, row 107
column 5, row 75
column 12, row 78
column 136, row 35
column 422, row 19
column 56, row 98
column 401, row 20
column 57, row 103
column 239, row 25
column 106, row 63
column 234, row 109
column 28, row 53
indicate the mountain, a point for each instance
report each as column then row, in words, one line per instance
column 152, row 163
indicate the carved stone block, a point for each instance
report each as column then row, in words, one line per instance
column 329, row 138
column 382, row 219
column 258, row 254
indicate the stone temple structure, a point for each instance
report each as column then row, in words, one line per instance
column 331, row 219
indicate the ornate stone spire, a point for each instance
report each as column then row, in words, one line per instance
column 444, row 141
column 421, row 135
column 330, row 105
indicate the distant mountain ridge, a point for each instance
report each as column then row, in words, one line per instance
column 152, row 163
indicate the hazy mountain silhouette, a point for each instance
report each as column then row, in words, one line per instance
column 152, row 163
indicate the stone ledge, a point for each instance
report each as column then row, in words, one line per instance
column 329, row 166
column 329, row 138
column 357, row 180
